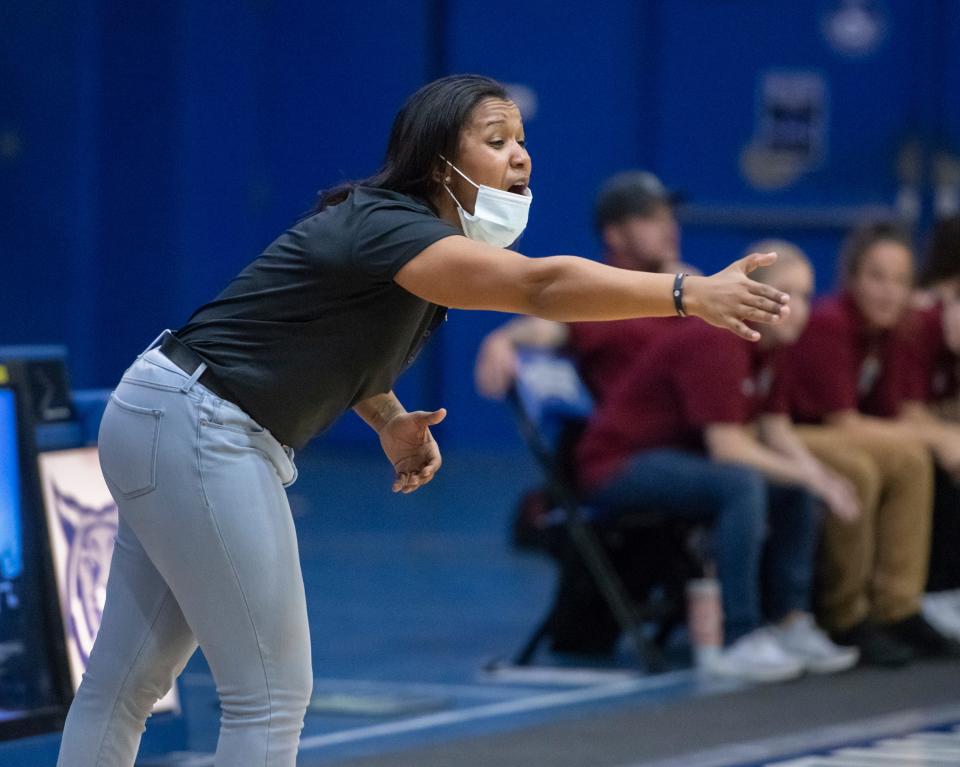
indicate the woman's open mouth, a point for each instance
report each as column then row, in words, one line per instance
column 520, row 188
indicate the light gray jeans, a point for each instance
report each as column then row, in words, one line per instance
column 206, row 554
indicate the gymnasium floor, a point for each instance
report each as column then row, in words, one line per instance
column 412, row 596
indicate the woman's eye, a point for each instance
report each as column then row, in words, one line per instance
column 496, row 143
column 522, row 142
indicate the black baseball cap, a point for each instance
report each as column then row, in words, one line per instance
column 630, row 193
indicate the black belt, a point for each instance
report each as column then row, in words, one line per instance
column 188, row 361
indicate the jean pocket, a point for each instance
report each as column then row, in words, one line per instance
column 128, row 443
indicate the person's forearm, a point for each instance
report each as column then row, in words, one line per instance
column 777, row 433
column 379, row 409
column 928, row 427
column 749, row 452
column 567, row 288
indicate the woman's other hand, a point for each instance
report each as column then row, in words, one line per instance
column 411, row 448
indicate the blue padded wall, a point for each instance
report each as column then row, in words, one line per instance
column 149, row 151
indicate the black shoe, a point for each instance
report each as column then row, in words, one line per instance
column 878, row 647
column 925, row 640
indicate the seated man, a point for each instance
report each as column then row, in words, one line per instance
column 857, row 376
column 937, row 347
column 634, row 220
column 696, row 427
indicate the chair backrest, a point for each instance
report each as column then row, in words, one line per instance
column 550, row 398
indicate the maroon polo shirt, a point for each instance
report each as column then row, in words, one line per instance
column 839, row 363
column 690, row 376
column 939, row 367
column 602, row 350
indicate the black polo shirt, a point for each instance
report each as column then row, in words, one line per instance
column 316, row 324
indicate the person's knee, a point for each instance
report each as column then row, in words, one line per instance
column 742, row 497
column 278, row 697
column 298, row 686
column 739, row 480
column 291, row 686
column 865, row 475
column 914, row 461
column 97, row 692
column 138, row 700
column 133, row 696
column 743, row 487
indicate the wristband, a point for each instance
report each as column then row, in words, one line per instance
column 678, row 294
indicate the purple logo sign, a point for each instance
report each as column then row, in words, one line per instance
column 89, row 534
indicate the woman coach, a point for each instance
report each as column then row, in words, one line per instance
column 197, row 442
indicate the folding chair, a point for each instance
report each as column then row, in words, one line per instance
column 551, row 405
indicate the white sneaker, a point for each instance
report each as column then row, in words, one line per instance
column 942, row 611
column 802, row 639
column 756, row 657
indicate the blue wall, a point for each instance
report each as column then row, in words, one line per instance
column 149, row 150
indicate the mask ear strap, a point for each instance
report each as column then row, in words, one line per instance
column 454, row 198
column 462, row 175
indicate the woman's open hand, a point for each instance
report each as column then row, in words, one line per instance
column 411, row 448
column 729, row 297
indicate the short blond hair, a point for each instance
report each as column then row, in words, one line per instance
column 787, row 253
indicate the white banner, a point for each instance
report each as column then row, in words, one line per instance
column 82, row 523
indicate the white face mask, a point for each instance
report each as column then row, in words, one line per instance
column 498, row 217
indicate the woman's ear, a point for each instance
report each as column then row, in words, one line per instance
column 441, row 172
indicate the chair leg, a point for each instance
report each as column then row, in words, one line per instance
column 613, row 591
column 529, row 649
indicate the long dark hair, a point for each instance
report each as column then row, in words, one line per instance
column 943, row 260
column 428, row 125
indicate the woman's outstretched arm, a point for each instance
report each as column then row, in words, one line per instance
column 465, row 274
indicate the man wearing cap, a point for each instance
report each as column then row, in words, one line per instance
column 635, row 222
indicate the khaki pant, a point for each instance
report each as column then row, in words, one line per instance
column 876, row 566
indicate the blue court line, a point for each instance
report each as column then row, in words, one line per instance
column 475, row 713
column 330, row 684
column 525, row 703
column 922, row 749
column 792, row 747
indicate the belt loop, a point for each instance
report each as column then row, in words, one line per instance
column 155, row 343
column 193, row 378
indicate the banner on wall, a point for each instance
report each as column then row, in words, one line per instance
column 790, row 131
column 82, row 523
